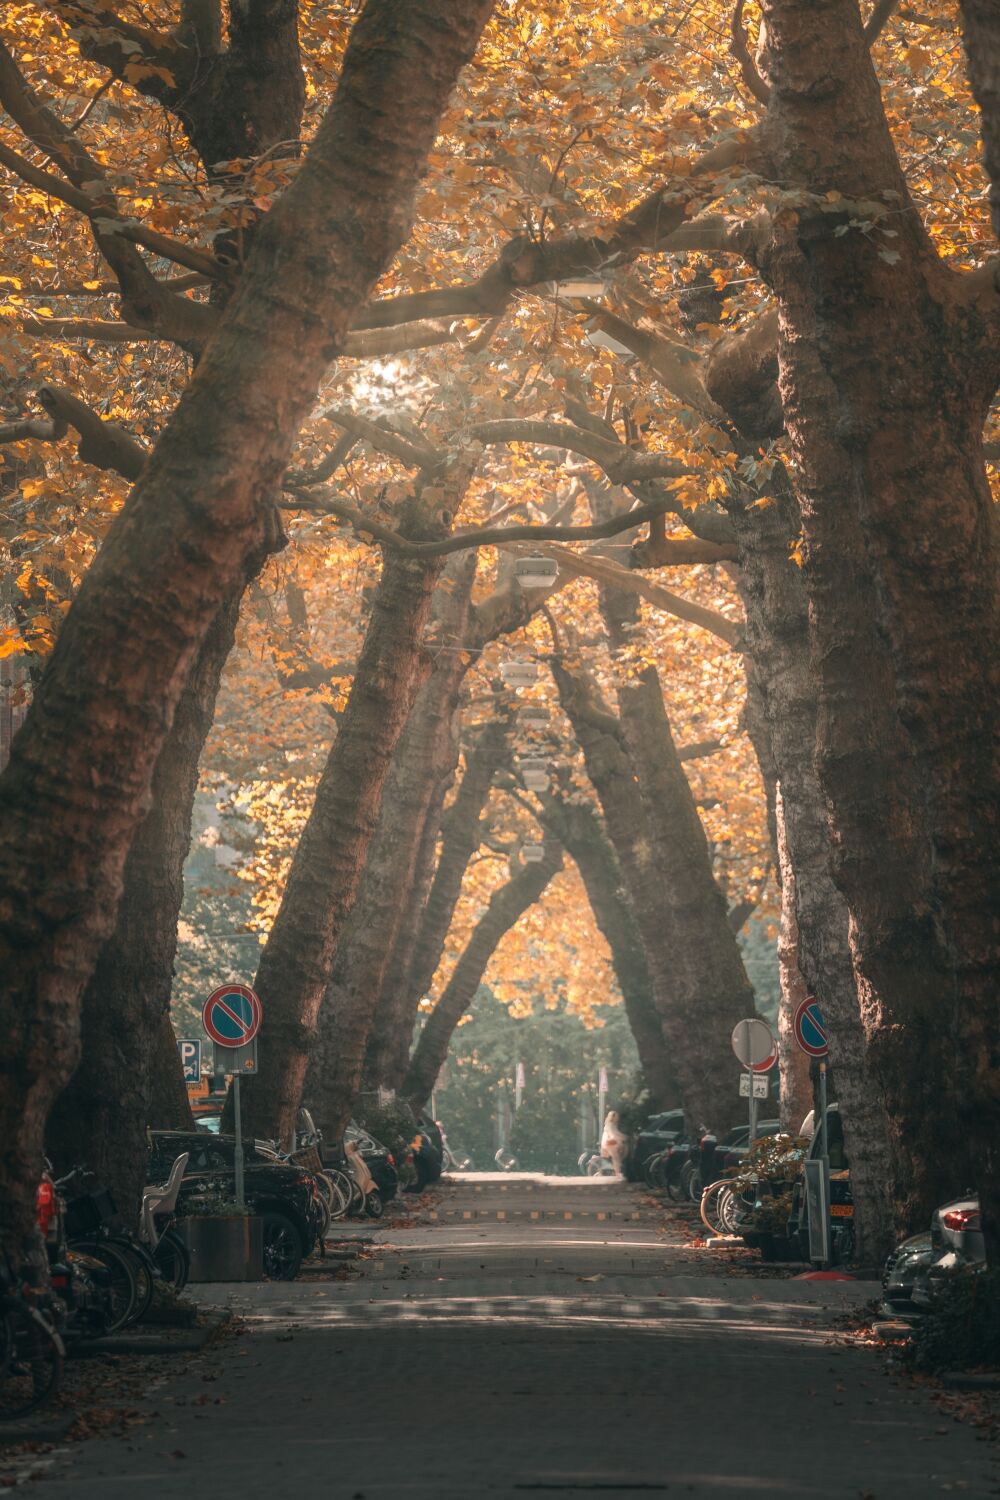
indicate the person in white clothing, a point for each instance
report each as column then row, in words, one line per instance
column 614, row 1142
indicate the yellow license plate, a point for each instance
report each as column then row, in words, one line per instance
column 842, row 1210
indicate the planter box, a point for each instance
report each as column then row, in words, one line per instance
column 225, row 1249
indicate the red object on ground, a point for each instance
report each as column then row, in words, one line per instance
column 822, row 1276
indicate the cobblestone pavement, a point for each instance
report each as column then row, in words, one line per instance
column 535, row 1336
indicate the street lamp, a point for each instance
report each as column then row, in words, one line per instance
column 519, row 674
column 536, row 572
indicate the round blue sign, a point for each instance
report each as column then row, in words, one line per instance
column 810, row 1028
column 231, row 1015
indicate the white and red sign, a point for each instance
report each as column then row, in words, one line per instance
column 232, row 1015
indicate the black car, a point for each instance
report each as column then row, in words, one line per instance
column 285, row 1196
column 377, row 1158
column 656, row 1134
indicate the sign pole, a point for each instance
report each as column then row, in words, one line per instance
column 825, row 1156
column 238, row 1153
column 231, row 1016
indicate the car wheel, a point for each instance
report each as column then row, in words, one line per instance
column 374, row 1207
column 282, row 1247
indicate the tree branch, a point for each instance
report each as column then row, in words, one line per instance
column 104, row 444
column 614, row 577
column 674, row 364
column 524, row 263
column 384, row 439
column 483, row 537
column 379, row 343
column 740, row 49
column 880, row 14
column 981, row 37
column 621, row 464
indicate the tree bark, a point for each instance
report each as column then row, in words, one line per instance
column 179, row 551
column 102, row 1114
column 460, row 838
column 578, row 828
column 298, row 958
column 697, row 1031
column 884, row 416
column 506, row 907
column 425, row 756
column 793, row 1063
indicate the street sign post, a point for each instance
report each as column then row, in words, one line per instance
column 755, row 1047
column 810, row 1033
column 602, row 1094
column 231, row 1016
column 190, row 1052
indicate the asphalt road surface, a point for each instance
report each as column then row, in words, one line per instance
column 538, row 1336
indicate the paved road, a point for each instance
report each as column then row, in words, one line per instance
column 538, row 1336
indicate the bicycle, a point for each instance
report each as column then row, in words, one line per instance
column 725, row 1205
column 31, row 1350
column 156, row 1228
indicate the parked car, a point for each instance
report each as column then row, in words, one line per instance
column 902, row 1268
column 656, row 1134
column 957, row 1242
column 285, row 1196
column 377, row 1158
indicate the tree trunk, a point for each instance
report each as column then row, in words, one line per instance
column 425, row 756
column 169, row 1107
column 777, row 636
column 460, row 838
column 506, row 907
column 297, row 961
column 180, row 548
column 695, row 1029
column 102, row 1114
column 577, row 826
column 793, row 1063
column 884, row 416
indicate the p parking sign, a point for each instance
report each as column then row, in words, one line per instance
column 190, row 1051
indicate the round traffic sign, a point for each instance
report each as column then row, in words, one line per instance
column 810, row 1028
column 768, row 1063
column 231, row 1015
column 753, row 1042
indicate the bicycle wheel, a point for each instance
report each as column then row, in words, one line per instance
column 735, row 1208
column 340, row 1189
column 711, row 1207
column 144, row 1270
column 32, row 1364
column 123, row 1289
column 658, row 1172
column 173, row 1260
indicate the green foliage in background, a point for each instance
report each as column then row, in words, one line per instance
column 561, row 1060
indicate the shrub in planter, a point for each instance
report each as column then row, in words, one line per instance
column 226, row 1243
column 962, row 1328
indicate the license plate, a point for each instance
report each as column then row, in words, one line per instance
column 842, row 1210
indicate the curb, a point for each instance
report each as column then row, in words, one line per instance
column 187, row 1342
column 40, row 1430
column 956, row 1380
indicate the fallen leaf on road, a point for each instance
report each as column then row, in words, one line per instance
column 590, row 1278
